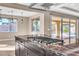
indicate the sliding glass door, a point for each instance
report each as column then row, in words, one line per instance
column 68, row 31
column 64, row 29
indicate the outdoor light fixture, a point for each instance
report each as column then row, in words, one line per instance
column 10, row 22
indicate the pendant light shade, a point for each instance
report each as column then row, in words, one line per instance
column 22, row 17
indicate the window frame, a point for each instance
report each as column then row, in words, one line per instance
column 9, row 19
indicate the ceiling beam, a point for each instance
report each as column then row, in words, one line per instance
column 71, row 9
column 32, row 4
column 58, row 6
column 61, row 5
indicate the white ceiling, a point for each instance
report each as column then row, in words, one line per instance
column 16, row 12
column 67, row 8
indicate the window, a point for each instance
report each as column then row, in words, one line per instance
column 36, row 25
column 7, row 25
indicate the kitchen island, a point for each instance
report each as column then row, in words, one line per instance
column 36, row 46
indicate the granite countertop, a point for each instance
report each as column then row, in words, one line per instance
column 50, row 49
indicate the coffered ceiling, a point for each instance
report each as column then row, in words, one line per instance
column 67, row 8
column 20, row 9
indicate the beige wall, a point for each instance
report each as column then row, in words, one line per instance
column 47, row 23
column 22, row 29
column 23, row 26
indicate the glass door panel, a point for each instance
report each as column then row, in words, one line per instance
column 65, row 31
column 56, row 21
column 73, row 31
column 54, row 30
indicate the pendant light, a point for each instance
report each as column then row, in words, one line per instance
column 22, row 17
column 10, row 22
column 0, row 13
column 0, row 17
